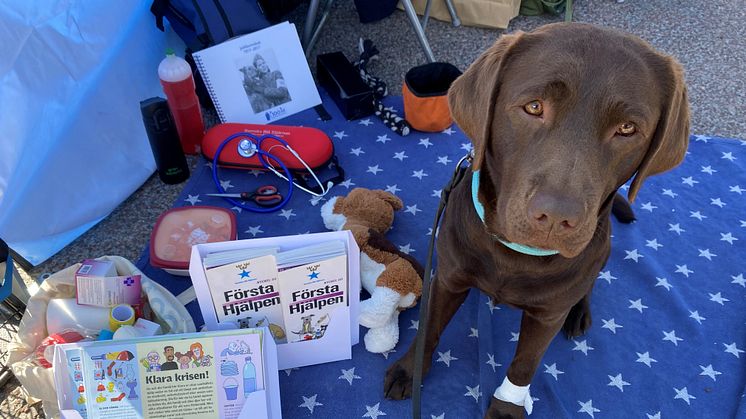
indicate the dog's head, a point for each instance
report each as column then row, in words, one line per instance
column 560, row 118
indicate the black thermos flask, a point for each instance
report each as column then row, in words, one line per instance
column 164, row 141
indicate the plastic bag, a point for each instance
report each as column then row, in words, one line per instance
column 37, row 381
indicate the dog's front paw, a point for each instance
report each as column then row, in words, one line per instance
column 578, row 321
column 503, row 410
column 398, row 382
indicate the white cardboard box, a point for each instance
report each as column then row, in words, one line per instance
column 261, row 404
column 336, row 344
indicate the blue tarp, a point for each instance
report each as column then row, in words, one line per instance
column 72, row 75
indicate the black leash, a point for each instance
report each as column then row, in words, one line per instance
column 419, row 353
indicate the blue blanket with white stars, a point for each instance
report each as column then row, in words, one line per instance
column 669, row 308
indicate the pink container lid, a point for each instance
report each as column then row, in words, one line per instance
column 178, row 229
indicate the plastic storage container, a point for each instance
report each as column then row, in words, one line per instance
column 178, row 229
column 178, row 85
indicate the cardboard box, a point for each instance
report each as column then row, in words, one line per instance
column 343, row 330
column 259, row 404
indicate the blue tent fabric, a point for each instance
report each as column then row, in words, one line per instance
column 669, row 331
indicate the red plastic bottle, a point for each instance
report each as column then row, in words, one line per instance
column 178, row 85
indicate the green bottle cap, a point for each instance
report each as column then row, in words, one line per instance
column 170, row 51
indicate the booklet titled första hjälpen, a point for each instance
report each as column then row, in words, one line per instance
column 245, row 290
column 313, row 283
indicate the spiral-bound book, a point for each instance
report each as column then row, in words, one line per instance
column 259, row 77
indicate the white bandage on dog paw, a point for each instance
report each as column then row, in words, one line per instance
column 518, row 395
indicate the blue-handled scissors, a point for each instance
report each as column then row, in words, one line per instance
column 264, row 196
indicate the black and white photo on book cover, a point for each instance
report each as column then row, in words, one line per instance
column 259, row 77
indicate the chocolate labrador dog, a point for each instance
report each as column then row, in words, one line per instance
column 560, row 118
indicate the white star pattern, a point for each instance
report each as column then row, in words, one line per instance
column 618, row 382
column 444, row 160
column 697, row 215
column 582, row 346
column 645, row 359
column 415, row 324
column 473, row 392
column 340, row 134
column 708, row 371
column 588, row 408
column 695, row 315
column 611, row 325
column 708, row 169
column 373, row 412
column 671, row 337
column 663, row 282
column 670, row 193
column 374, row 169
column 193, row 199
column 718, row 298
column 633, row 255
column 675, row 228
column 446, row 358
column 412, row 209
column 553, row 371
column 419, row 174
column 653, row 244
column 606, row 275
column 441, row 416
column 648, row 206
column 706, row 254
column 254, row 230
column 365, row 122
column 287, row 214
column 683, row 394
column 357, row 151
column 728, row 156
column 349, row 375
column 347, row 183
column 684, row 270
column 467, row 147
column 448, row 131
column 727, row 237
column 655, row 416
column 407, row 249
column 401, row 156
column 717, row 202
column 392, row 189
column 226, row 184
column 733, row 349
column 689, row 181
column 737, row 189
column 425, row 142
column 310, row 403
column 383, row 139
column 738, row 279
column 474, row 333
column 436, row 193
column 491, row 362
column 514, row 336
column 637, row 305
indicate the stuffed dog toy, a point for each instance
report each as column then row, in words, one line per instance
column 393, row 279
column 560, row 118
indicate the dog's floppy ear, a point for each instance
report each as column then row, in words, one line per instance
column 671, row 138
column 390, row 198
column 472, row 96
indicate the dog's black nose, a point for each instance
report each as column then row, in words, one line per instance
column 553, row 213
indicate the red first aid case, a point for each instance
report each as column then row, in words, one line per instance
column 313, row 146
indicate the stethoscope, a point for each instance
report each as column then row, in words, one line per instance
column 251, row 146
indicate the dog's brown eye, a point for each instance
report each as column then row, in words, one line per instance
column 626, row 129
column 534, row 108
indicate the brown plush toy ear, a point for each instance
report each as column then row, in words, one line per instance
column 671, row 139
column 392, row 199
column 472, row 96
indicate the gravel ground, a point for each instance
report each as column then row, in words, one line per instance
column 709, row 38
